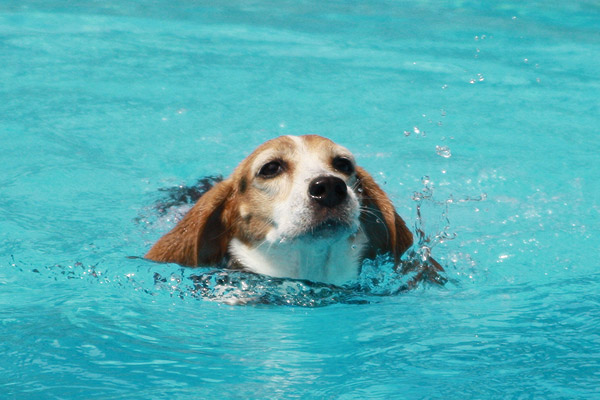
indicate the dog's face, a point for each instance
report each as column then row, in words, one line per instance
column 297, row 207
column 297, row 187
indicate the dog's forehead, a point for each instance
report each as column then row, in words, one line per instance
column 320, row 145
column 296, row 148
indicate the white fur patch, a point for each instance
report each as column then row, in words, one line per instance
column 330, row 260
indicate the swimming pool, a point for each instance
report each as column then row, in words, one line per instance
column 482, row 116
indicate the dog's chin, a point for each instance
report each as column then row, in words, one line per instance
column 328, row 229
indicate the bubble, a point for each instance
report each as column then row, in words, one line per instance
column 443, row 151
column 419, row 132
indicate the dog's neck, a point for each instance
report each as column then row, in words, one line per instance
column 335, row 261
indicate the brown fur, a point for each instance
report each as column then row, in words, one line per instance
column 387, row 232
column 202, row 236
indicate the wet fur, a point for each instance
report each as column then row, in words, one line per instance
column 233, row 220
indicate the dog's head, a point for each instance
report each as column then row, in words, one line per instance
column 294, row 200
column 293, row 187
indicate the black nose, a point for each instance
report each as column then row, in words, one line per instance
column 328, row 191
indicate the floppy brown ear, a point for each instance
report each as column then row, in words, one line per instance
column 386, row 231
column 201, row 237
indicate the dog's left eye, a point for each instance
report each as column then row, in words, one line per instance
column 271, row 169
column 343, row 165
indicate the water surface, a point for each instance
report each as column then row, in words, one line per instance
column 483, row 117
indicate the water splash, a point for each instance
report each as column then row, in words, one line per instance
column 378, row 278
column 432, row 225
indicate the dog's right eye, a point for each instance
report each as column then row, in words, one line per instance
column 271, row 169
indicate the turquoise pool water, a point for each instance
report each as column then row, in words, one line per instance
column 484, row 116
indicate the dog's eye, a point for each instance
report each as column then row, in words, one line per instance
column 343, row 165
column 271, row 169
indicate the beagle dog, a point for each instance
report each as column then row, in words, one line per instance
column 297, row 207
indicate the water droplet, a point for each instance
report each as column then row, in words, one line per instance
column 443, row 151
column 425, row 253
